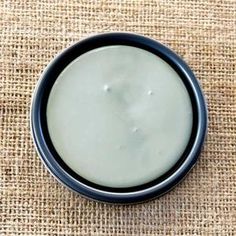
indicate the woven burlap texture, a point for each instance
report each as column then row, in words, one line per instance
column 32, row 32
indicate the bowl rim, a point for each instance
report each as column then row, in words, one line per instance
column 92, row 192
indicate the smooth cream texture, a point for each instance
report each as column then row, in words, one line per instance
column 119, row 116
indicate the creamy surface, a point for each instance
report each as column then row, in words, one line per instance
column 119, row 116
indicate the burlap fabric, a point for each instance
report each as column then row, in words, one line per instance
column 203, row 32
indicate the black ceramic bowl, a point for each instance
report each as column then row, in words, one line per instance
column 80, row 185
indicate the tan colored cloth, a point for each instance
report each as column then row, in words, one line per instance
column 32, row 202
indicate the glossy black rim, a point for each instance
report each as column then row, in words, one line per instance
column 117, row 195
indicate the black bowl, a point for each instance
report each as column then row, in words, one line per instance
column 80, row 185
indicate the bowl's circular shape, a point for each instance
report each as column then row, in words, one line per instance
column 80, row 185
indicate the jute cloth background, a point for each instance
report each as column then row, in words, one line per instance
column 203, row 32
